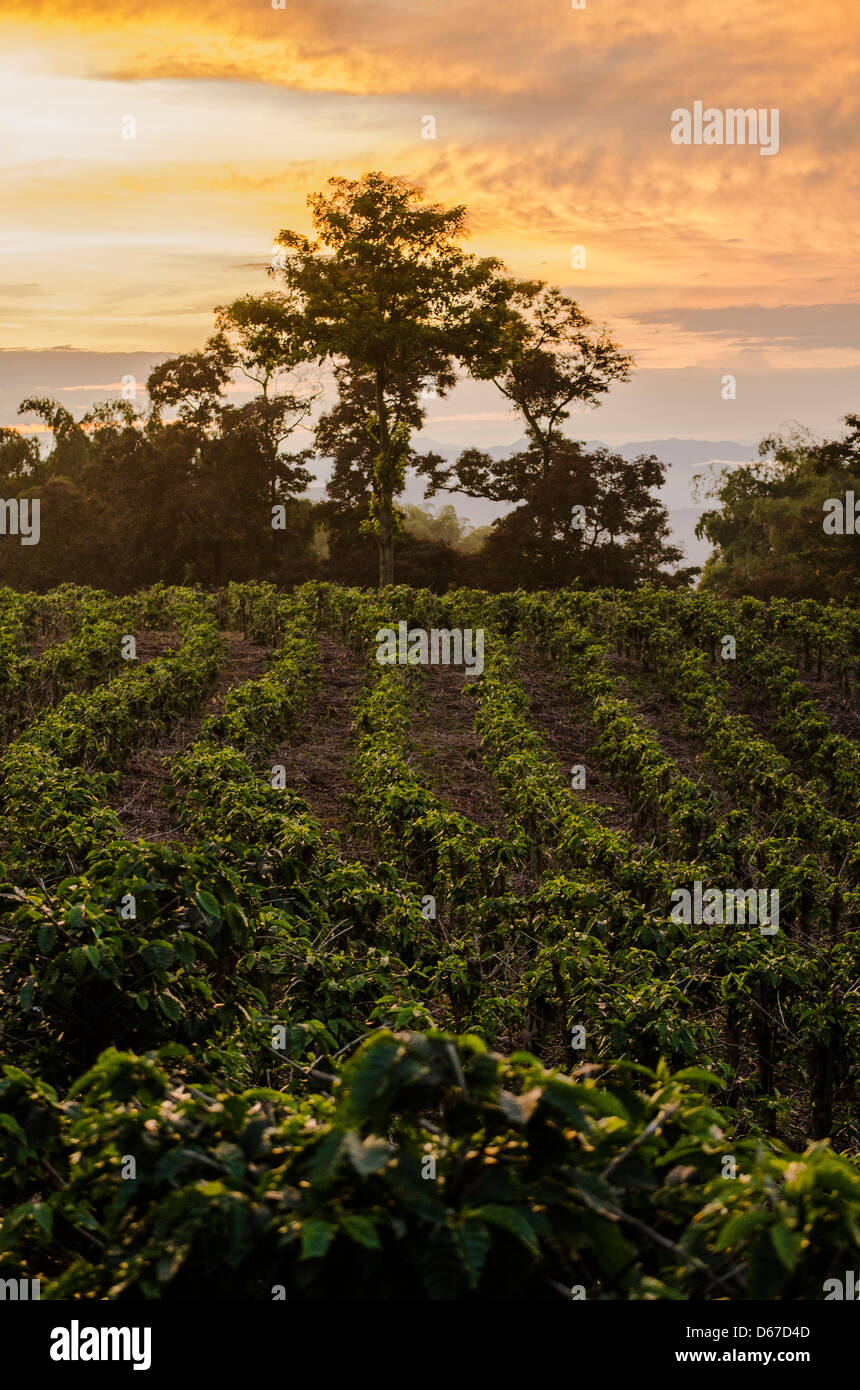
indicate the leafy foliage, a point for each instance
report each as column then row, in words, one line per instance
column 541, row 1184
column 248, row 1065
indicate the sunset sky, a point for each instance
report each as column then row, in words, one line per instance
column 552, row 125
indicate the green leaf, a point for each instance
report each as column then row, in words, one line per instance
column 612, row 1249
column 169, row 1007
column 787, row 1244
column 11, row 1125
column 207, row 903
column 159, row 954
column 317, row 1236
column 473, row 1239
column 738, row 1226
column 696, row 1074
column 509, row 1219
column 47, row 937
column 370, row 1070
column 327, row 1156
column 172, row 1163
column 566, row 1097
column 362, row 1230
column 44, row 1217
column 368, row 1156
column 211, row 1189
column 232, row 1157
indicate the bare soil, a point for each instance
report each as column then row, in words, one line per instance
column 140, row 800
column 666, row 722
column 450, row 750
column 571, row 737
column 316, row 759
column 842, row 712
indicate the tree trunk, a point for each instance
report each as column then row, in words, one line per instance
column 545, row 521
column 386, row 545
column 384, row 497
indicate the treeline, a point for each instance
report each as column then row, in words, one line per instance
column 127, row 500
column 192, row 487
column 183, row 485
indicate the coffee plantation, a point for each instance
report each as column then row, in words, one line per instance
column 243, row 1058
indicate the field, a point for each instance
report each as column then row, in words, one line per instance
column 327, row 976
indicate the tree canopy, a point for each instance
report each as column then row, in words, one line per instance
column 772, row 528
column 391, row 299
column 204, row 477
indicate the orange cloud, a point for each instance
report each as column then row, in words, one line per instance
column 552, row 126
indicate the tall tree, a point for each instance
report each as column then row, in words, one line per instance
column 392, row 300
column 544, row 355
column 193, row 384
column 263, row 338
column 20, row 460
column 342, row 435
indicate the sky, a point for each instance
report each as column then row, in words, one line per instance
column 152, row 151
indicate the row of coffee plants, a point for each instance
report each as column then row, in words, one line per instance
column 765, row 670
column 262, row 1135
column 780, row 825
column 433, row 1169
column 55, row 777
column 790, row 998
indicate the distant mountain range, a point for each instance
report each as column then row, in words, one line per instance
column 671, row 451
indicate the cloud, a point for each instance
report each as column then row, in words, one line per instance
column 552, row 126
column 22, row 291
column 410, row 45
column 801, row 325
